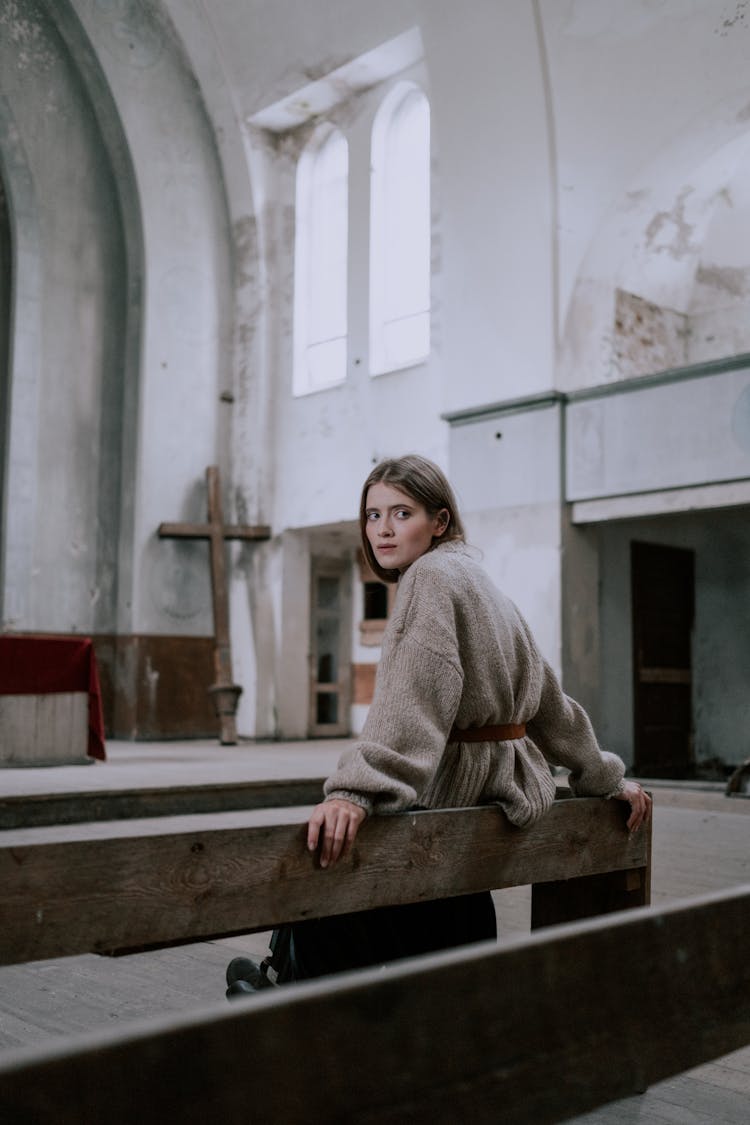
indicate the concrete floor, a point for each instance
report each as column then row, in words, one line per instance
column 701, row 843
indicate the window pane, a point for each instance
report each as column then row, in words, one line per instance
column 407, row 339
column 328, row 593
column 407, row 244
column 328, row 242
column 320, row 277
column 326, row 363
column 400, row 234
column 327, row 708
column 376, row 601
column 327, row 651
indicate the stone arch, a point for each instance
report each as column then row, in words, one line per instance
column 70, row 409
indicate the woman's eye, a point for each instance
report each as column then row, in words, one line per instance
column 402, row 514
column 372, row 516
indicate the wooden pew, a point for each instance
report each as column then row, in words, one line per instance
column 120, row 886
column 528, row 1033
column 39, row 809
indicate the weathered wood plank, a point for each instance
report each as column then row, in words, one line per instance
column 585, row 896
column 101, row 887
column 539, row 1030
column 49, row 729
column 198, row 531
column 27, row 811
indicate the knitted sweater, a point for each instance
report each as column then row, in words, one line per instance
column 457, row 651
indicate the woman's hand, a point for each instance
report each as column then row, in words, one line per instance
column 639, row 801
column 334, row 824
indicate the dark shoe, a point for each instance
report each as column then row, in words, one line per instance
column 243, row 969
column 240, row 988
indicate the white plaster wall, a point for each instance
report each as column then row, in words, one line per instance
column 671, row 435
column 494, row 166
column 721, row 639
column 520, row 550
column 325, row 443
column 492, row 312
column 508, row 488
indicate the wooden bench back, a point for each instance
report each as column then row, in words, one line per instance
column 107, row 887
column 525, row 1033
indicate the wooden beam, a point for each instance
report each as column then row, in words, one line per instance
column 32, row 810
column 112, row 886
column 224, row 692
column 529, row 1033
column 198, row 531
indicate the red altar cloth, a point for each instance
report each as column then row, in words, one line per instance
column 38, row 665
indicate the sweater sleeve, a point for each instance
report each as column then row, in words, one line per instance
column 417, row 693
column 563, row 732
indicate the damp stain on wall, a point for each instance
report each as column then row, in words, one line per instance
column 731, row 281
column 646, row 337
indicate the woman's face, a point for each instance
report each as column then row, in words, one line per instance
column 399, row 529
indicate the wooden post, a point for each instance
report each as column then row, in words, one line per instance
column 224, row 691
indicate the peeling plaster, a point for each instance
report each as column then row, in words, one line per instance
column 679, row 245
column 647, row 337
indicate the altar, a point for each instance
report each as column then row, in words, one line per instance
column 50, row 701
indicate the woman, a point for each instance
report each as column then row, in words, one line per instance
column 466, row 711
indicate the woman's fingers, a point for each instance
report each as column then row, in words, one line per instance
column 640, row 804
column 313, row 827
column 334, row 826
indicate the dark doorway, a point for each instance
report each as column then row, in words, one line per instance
column 663, row 598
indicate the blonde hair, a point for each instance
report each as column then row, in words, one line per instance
column 424, row 482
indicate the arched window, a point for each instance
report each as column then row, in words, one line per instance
column 320, row 264
column 400, row 231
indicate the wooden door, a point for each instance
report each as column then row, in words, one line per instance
column 663, row 580
column 330, row 658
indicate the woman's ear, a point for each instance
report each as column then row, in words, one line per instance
column 442, row 520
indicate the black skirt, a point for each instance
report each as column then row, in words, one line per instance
column 315, row 948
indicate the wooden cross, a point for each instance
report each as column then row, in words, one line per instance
column 225, row 692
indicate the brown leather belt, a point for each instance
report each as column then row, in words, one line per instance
column 506, row 732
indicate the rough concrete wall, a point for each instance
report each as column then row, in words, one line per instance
column 188, row 324
column 68, row 333
column 675, row 434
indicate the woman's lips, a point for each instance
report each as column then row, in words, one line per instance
column 386, row 547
